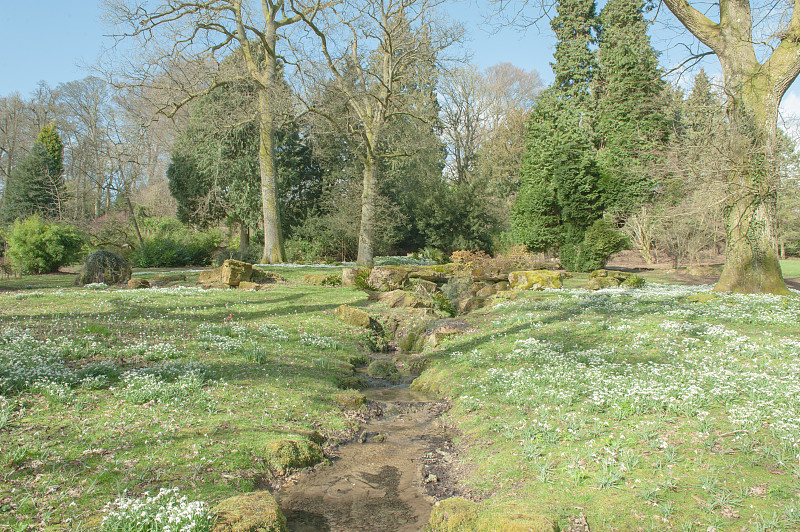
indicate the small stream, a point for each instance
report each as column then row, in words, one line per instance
column 376, row 482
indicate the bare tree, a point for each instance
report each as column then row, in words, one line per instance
column 387, row 44
column 484, row 117
column 184, row 37
column 13, row 139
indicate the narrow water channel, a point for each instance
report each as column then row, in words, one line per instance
column 376, row 482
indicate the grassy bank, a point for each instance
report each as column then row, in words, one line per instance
column 666, row 408
column 106, row 391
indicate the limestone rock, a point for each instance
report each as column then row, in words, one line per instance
column 209, row 276
column 248, row 285
column 353, row 316
column 137, row 282
column 235, row 271
column 534, row 280
column 321, row 279
column 436, row 273
column 401, row 299
column 250, row 512
column 488, row 290
column 349, row 276
column 599, row 279
column 387, row 278
column 472, row 303
column 425, row 288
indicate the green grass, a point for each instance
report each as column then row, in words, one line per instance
column 116, row 390
column 790, row 267
column 644, row 408
column 650, row 409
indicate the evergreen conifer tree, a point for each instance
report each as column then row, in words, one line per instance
column 559, row 192
column 631, row 124
column 36, row 185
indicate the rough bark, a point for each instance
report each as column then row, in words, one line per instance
column 273, row 241
column 367, row 228
column 754, row 90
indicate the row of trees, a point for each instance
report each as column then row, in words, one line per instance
column 350, row 124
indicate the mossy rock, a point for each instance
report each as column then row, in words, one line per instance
column 264, row 277
column 136, row 283
column 534, row 280
column 386, row 278
column 383, row 369
column 233, row 272
column 460, row 515
column 210, row 276
column 350, row 382
column 251, row 512
column 350, row 399
column 283, row 455
column 249, row 285
column 353, row 316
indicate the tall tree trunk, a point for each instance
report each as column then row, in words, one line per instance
column 751, row 258
column 244, row 239
column 754, row 90
column 273, row 240
column 366, row 232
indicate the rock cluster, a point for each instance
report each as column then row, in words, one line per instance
column 236, row 274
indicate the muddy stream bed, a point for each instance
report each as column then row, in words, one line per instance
column 385, row 480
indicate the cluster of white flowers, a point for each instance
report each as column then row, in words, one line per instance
column 25, row 360
column 675, row 362
column 320, row 342
column 166, row 511
column 141, row 387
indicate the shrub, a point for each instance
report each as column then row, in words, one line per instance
column 601, row 241
column 104, row 267
column 36, row 246
column 177, row 248
column 437, row 256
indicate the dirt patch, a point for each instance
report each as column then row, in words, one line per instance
column 387, row 479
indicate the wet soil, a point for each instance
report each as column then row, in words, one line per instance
column 387, row 479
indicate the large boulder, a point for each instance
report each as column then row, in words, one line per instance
column 401, row 299
column 251, row 512
column 138, row 282
column 599, row 279
column 235, row 271
column 534, row 280
column 104, row 267
column 353, row 316
column 386, row 278
column 209, row 276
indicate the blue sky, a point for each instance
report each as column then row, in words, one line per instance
column 51, row 40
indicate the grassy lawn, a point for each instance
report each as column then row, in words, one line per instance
column 103, row 391
column 665, row 408
column 654, row 409
column 791, row 268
